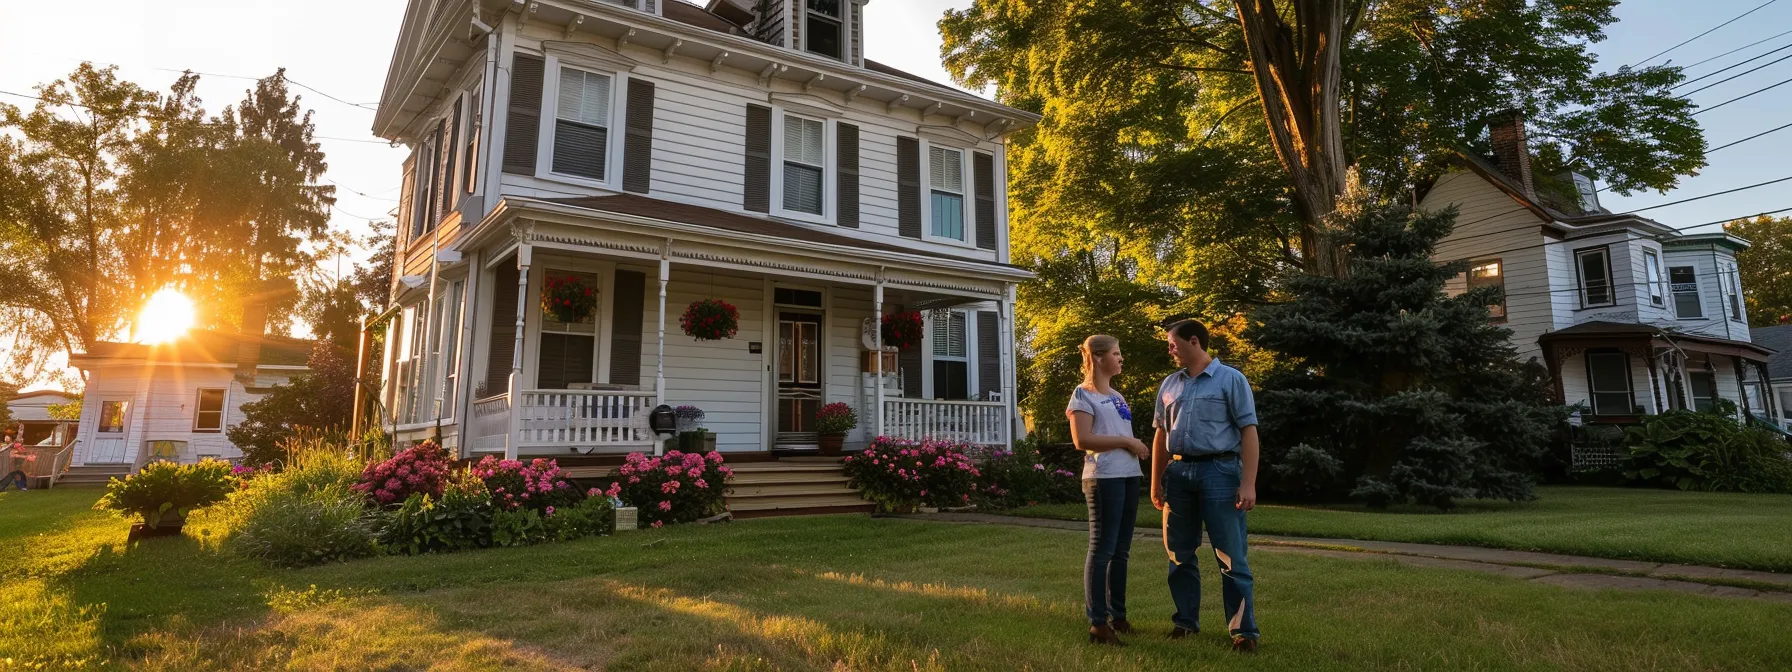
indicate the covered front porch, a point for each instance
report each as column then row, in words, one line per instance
column 1619, row 372
column 542, row 384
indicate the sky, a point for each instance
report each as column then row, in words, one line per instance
column 340, row 48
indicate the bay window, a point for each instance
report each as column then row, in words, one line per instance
column 1684, row 282
column 1595, row 269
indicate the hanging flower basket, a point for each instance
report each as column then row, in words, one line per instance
column 902, row 330
column 567, row 299
column 710, row 320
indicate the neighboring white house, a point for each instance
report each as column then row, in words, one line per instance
column 32, row 422
column 661, row 153
column 173, row 401
column 1631, row 316
column 1779, row 367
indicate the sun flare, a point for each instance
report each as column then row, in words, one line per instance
column 167, row 316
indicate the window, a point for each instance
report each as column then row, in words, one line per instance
column 1684, row 283
column 208, row 411
column 1785, row 403
column 948, row 335
column 450, row 349
column 112, row 414
column 1595, row 277
column 1608, row 379
column 822, row 29
column 951, row 363
column 1490, row 273
column 786, row 296
column 945, row 176
column 1652, row 269
column 581, row 124
column 1732, row 277
column 804, row 164
column 425, row 185
column 1704, row 390
column 470, row 163
column 567, row 355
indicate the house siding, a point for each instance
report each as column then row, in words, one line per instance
column 163, row 403
column 1489, row 225
column 1710, row 267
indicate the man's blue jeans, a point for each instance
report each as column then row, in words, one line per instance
column 1113, row 510
column 1205, row 494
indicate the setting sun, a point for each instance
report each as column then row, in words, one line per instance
column 167, row 316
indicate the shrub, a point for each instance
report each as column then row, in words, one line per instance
column 1021, row 477
column 462, row 518
column 319, row 399
column 538, row 485
column 900, row 475
column 308, row 513
column 590, row 517
column 1706, row 451
column 676, row 488
column 422, row 468
column 168, row 490
column 835, row 418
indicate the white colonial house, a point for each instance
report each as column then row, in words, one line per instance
column 659, row 153
column 172, row 401
column 1631, row 316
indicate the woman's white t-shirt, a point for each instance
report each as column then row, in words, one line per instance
column 1112, row 417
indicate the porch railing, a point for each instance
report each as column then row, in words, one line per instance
column 978, row 422
column 584, row 419
column 490, row 425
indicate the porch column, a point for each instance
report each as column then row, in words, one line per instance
column 877, row 339
column 1768, row 401
column 463, row 365
column 1741, row 387
column 659, row 375
column 1654, row 380
column 1010, row 404
column 525, row 253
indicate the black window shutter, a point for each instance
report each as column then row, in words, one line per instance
column 625, row 325
column 406, row 192
column 908, row 189
column 637, row 148
column 984, row 168
column 503, row 331
column 846, row 161
column 989, row 354
column 522, row 131
column 759, row 159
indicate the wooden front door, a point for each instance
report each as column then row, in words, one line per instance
column 799, row 372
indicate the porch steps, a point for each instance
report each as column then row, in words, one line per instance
column 93, row 475
column 792, row 487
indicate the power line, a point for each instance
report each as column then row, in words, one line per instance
column 1615, row 214
column 1757, row 135
column 338, row 209
column 1732, row 100
column 1699, row 198
column 1740, row 74
column 359, row 192
column 1708, row 32
column 1727, row 67
column 374, row 142
column 1732, row 51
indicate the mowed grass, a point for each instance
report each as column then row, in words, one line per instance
column 830, row 593
column 1698, row 528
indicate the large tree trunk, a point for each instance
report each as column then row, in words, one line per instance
column 1299, row 73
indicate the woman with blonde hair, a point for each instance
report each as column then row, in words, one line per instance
column 1101, row 427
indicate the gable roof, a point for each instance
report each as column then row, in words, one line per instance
column 1779, row 339
column 201, row 347
column 1551, row 217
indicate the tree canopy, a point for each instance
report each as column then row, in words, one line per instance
column 1766, row 268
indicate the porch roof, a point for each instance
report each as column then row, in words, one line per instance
column 1599, row 330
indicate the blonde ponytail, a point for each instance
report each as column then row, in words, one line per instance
column 1092, row 347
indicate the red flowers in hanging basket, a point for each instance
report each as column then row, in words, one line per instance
column 567, row 299
column 710, row 320
column 902, row 330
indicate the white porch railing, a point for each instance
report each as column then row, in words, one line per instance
column 584, row 419
column 978, row 422
column 490, row 425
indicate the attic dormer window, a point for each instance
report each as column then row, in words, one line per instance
column 823, row 28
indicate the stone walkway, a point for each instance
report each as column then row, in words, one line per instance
column 1568, row 571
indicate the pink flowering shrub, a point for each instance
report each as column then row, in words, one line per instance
column 901, row 476
column 422, row 468
column 675, row 488
column 539, row 485
column 1023, row 477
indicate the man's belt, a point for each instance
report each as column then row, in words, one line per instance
column 1204, row 457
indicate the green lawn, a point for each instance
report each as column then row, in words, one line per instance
column 846, row 592
column 1699, row 528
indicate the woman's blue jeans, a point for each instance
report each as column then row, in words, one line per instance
column 1113, row 510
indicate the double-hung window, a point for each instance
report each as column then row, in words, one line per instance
column 823, row 28
column 951, row 356
column 1732, row 280
column 1652, row 270
column 945, row 181
column 1595, row 269
column 1608, row 381
column 208, row 410
column 582, row 124
column 475, row 117
column 1490, row 273
column 1704, row 390
column 805, row 164
column 1683, row 281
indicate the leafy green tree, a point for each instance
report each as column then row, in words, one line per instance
column 1396, row 393
column 1766, row 268
column 320, row 399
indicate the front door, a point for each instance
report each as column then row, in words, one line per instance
column 799, row 378
column 109, row 432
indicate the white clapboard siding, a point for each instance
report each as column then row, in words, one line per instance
column 850, row 307
column 721, row 377
column 164, row 400
column 1708, row 268
column 1491, row 225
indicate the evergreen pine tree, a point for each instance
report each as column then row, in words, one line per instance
column 1399, row 393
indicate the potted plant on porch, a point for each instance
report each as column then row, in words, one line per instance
column 163, row 493
column 832, row 423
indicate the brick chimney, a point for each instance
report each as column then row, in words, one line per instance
column 248, row 347
column 1510, row 151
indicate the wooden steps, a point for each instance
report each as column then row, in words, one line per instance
column 93, row 475
column 798, row 486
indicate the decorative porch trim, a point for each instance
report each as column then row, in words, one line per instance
column 574, row 241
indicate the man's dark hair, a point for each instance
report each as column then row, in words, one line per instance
column 1189, row 330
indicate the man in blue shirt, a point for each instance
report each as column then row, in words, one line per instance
column 1204, row 473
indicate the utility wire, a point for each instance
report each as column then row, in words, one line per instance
column 1688, row 94
column 1728, row 67
column 1738, row 142
column 1732, row 100
column 1732, row 51
column 1707, row 32
column 1615, row 214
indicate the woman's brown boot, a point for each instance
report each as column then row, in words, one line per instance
column 1121, row 626
column 1104, row 634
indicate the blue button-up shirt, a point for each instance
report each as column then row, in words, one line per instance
column 1205, row 413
